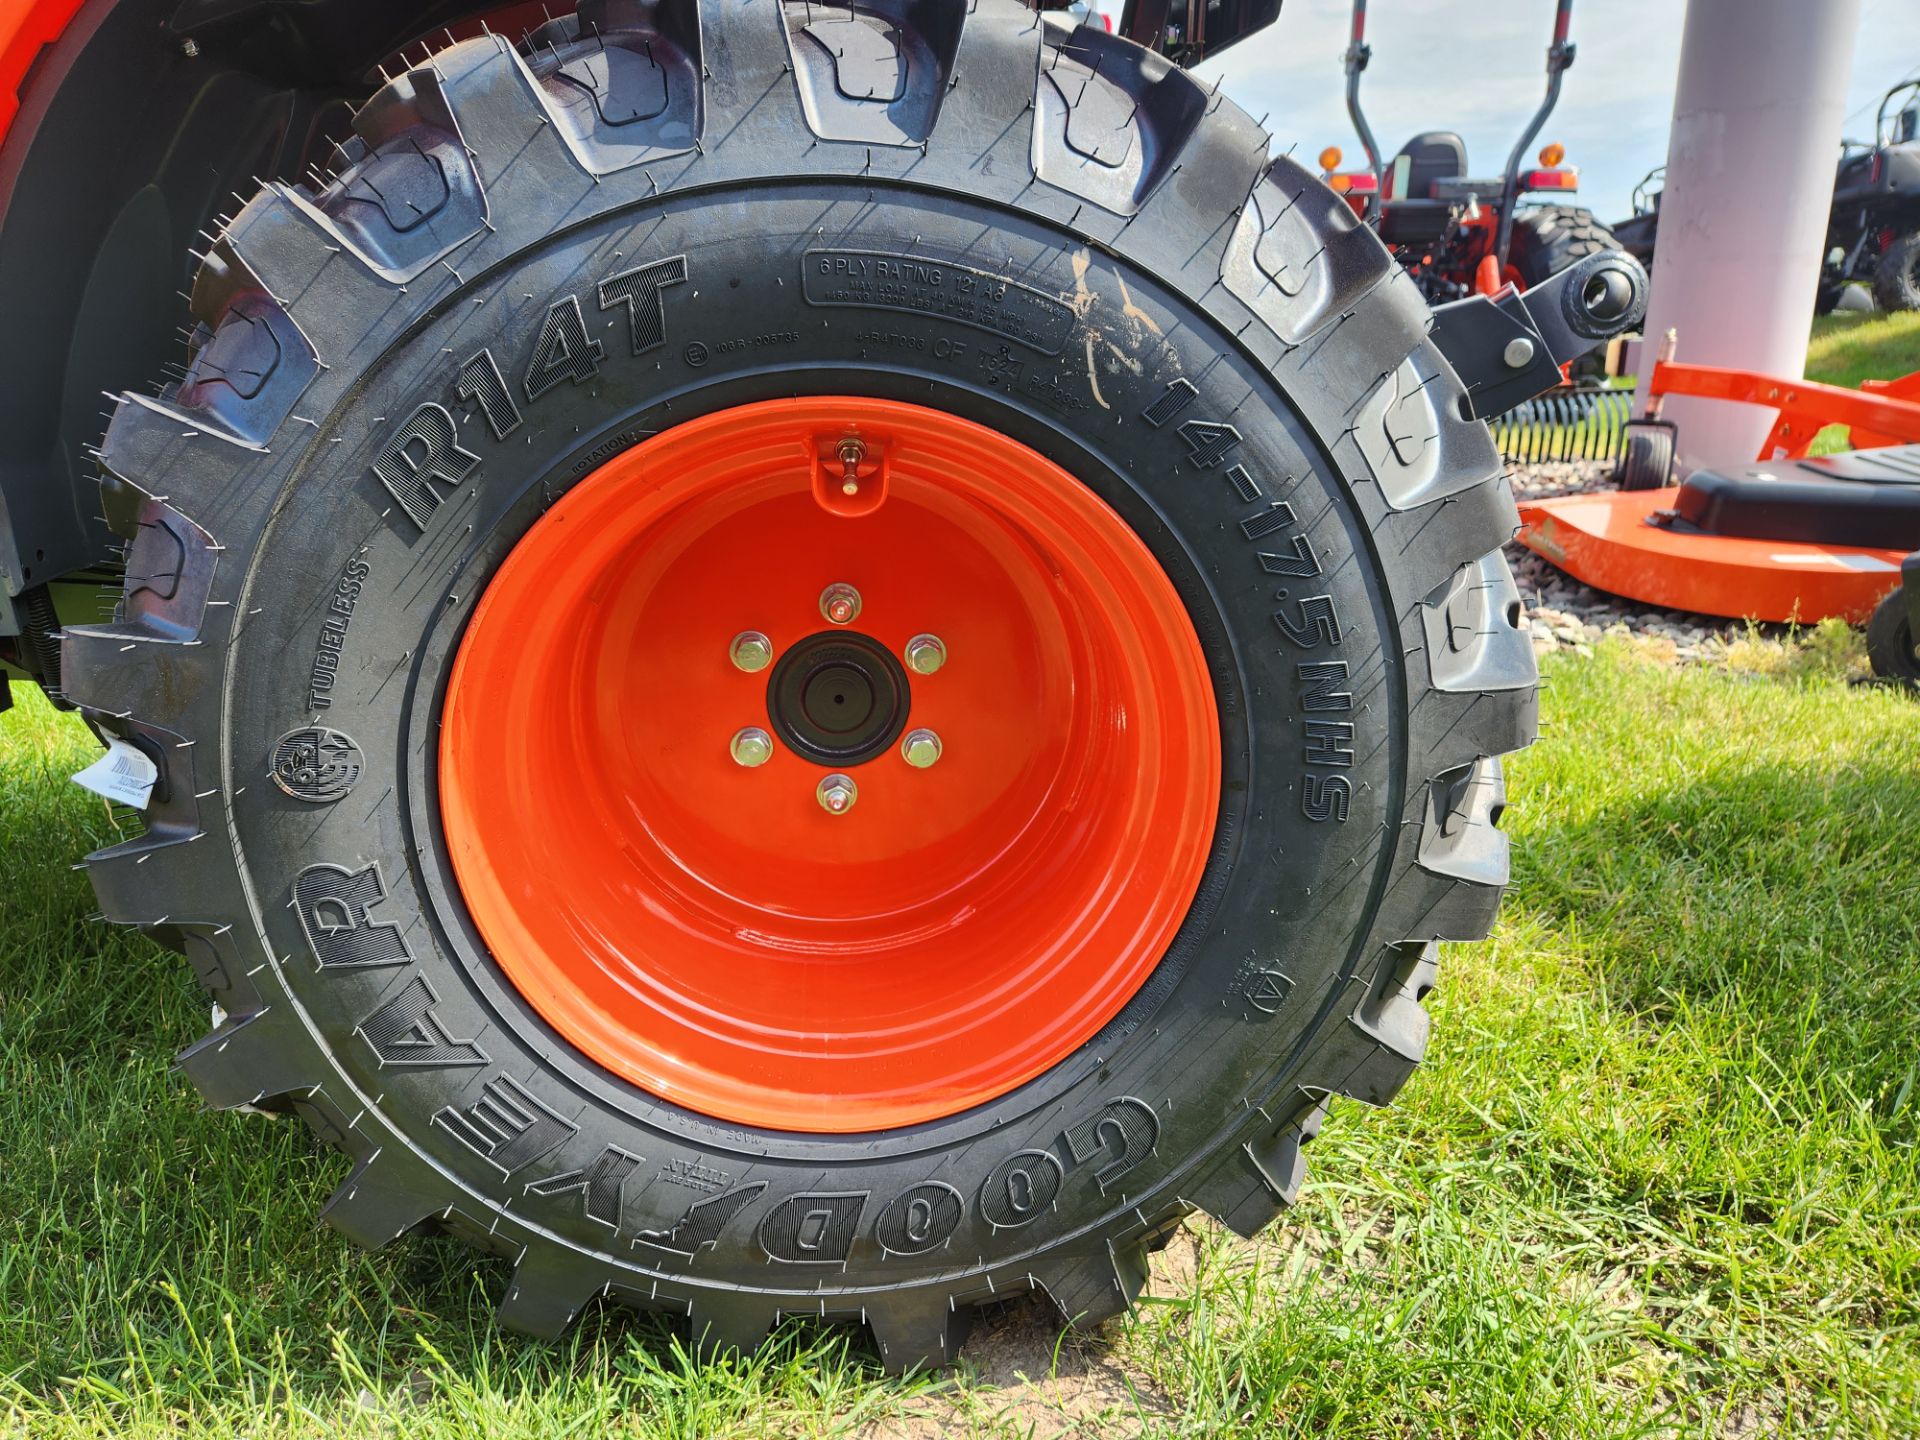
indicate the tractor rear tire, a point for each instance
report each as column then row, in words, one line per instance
column 537, row 263
column 1549, row 238
column 1896, row 278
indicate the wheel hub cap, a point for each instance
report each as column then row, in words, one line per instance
column 838, row 698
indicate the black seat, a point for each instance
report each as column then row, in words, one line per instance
column 1869, row 499
column 1413, row 217
column 1432, row 155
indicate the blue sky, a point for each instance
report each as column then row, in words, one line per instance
column 1479, row 67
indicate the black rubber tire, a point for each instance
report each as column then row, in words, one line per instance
column 1891, row 647
column 1548, row 238
column 1228, row 358
column 1646, row 458
column 1896, row 278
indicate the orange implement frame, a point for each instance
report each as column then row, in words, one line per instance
column 1881, row 412
column 1614, row 541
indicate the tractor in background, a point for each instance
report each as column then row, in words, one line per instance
column 1457, row 235
column 1873, row 231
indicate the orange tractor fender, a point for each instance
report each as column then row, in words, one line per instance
column 27, row 26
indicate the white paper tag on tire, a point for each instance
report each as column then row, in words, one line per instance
column 124, row 775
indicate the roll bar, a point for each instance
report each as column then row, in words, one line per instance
column 1358, row 53
column 1559, row 58
column 1885, row 133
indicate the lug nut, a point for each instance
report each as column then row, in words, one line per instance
column 926, row 654
column 837, row 794
column 751, row 651
column 920, row 748
column 752, row 746
column 840, row 604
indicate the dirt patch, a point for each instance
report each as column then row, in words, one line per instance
column 1019, row 1374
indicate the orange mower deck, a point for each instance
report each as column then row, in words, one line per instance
column 1615, row 541
column 1604, row 541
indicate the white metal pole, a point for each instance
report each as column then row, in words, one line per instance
column 1743, row 220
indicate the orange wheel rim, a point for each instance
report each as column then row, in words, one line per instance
column 759, row 942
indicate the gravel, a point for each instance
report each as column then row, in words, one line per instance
column 1559, row 477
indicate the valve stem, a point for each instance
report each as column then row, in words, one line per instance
column 852, row 452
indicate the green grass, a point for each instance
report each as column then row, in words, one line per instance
column 1658, row 1178
column 1848, row 348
